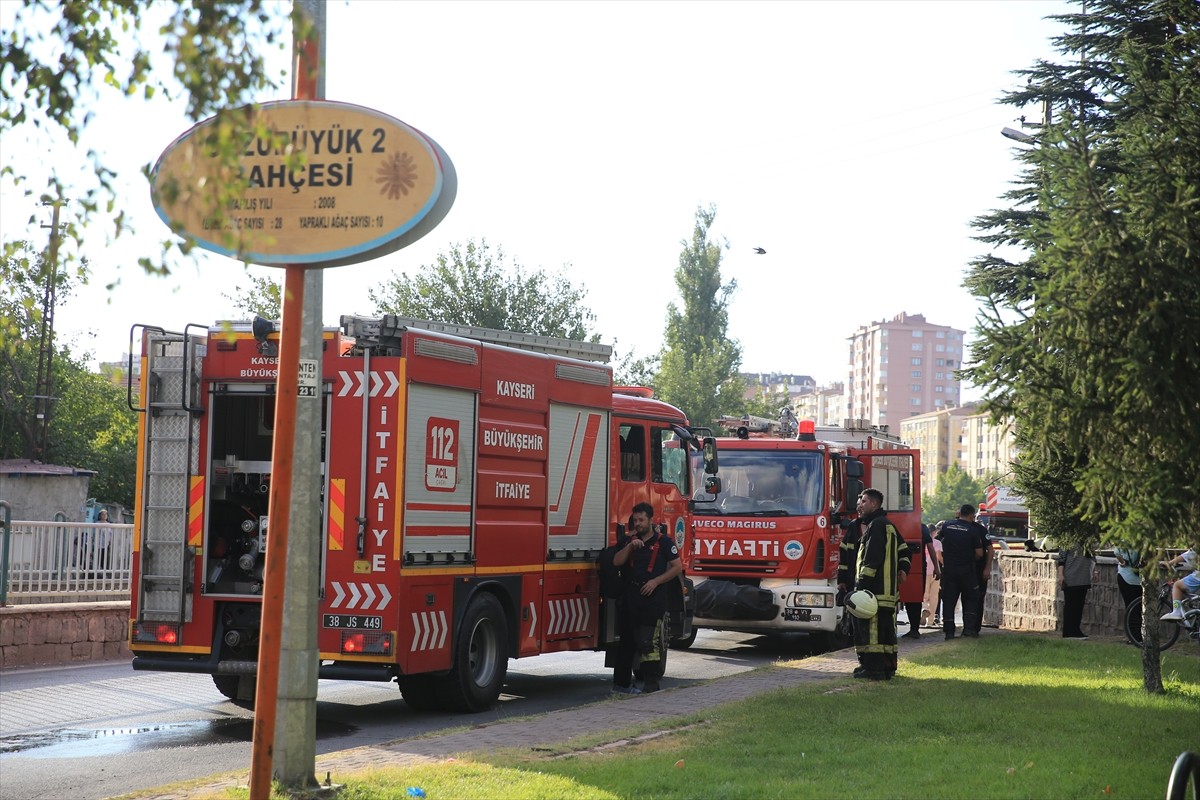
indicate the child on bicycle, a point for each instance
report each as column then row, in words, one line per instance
column 1188, row 584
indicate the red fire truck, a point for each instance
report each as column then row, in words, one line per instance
column 469, row 479
column 763, row 551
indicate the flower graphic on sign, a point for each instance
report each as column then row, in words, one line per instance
column 398, row 174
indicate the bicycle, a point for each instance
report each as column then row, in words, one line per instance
column 1168, row 631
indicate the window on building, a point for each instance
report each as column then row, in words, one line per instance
column 918, row 334
column 917, row 346
column 939, row 389
column 916, row 373
column 914, row 387
column 941, row 348
column 914, row 401
column 916, row 362
column 941, row 362
column 941, row 334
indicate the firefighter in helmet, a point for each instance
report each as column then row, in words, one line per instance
column 882, row 565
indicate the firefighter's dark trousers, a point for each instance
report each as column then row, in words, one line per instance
column 641, row 626
column 875, row 641
column 960, row 582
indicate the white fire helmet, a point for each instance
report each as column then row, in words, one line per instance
column 862, row 604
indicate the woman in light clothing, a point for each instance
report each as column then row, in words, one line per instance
column 931, row 613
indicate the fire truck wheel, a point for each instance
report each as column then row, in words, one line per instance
column 420, row 692
column 480, row 658
column 228, row 686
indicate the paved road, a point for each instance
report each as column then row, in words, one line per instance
column 100, row 730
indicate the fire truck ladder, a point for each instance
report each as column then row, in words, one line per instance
column 171, row 458
column 387, row 330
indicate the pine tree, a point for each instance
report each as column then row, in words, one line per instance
column 1091, row 340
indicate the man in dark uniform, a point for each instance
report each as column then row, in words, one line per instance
column 983, row 565
column 962, row 547
column 882, row 566
column 650, row 561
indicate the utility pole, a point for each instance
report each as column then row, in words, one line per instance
column 296, row 733
column 43, row 393
column 284, row 745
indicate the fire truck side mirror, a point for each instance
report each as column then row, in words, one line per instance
column 854, row 487
column 710, row 455
column 854, row 469
column 712, row 485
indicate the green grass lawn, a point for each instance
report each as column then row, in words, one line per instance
column 1013, row 716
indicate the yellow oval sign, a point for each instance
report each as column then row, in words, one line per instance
column 303, row 182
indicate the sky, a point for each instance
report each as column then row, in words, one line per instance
column 853, row 141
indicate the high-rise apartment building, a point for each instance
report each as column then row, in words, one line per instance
column 938, row 435
column 824, row 405
column 902, row 367
column 987, row 449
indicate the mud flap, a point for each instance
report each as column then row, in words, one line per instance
column 681, row 608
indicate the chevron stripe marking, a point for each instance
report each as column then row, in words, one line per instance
column 337, row 513
column 196, row 511
column 445, row 628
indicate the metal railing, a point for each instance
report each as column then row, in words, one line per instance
column 64, row 562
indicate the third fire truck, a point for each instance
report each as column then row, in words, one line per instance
column 468, row 480
column 763, row 551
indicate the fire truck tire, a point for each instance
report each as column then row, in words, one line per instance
column 228, row 686
column 420, row 692
column 480, row 658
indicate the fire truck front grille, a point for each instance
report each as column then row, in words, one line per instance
column 725, row 566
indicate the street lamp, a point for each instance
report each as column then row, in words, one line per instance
column 1020, row 136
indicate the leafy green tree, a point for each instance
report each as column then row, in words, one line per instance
column 61, row 56
column 94, row 428
column 699, row 371
column 473, row 285
column 1091, row 340
column 765, row 403
column 91, row 425
column 263, row 297
column 26, row 276
column 953, row 489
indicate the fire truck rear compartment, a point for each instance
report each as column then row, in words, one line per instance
column 240, row 457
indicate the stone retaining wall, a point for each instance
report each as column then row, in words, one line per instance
column 63, row 633
column 1025, row 596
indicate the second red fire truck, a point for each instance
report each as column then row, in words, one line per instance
column 469, row 479
column 763, row 551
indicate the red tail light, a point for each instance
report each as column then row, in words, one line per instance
column 367, row 643
column 156, row 632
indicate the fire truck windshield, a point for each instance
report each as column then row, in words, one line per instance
column 764, row 483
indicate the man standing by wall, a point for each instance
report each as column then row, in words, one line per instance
column 1076, row 571
column 983, row 568
column 651, row 560
column 962, row 548
column 882, row 565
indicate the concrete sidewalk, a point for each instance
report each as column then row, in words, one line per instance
column 554, row 728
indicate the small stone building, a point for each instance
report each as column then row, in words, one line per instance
column 44, row 492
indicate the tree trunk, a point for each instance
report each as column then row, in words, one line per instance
column 1151, row 660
